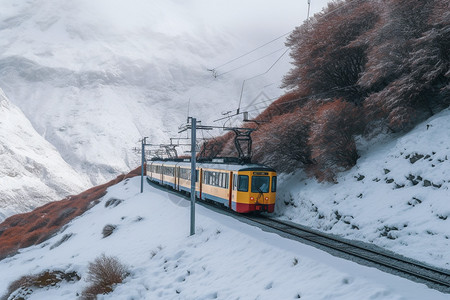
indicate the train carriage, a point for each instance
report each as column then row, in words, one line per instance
column 242, row 188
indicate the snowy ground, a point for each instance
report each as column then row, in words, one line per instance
column 226, row 259
column 396, row 197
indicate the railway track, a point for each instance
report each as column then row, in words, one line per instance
column 357, row 251
column 433, row 277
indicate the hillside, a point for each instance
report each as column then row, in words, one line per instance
column 395, row 197
column 149, row 233
column 32, row 172
column 35, row 227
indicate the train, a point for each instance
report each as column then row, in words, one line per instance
column 243, row 188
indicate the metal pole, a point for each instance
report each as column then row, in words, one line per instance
column 142, row 164
column 193, row 173
column 309, row 6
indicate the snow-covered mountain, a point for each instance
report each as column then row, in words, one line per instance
column 32, row 171
column 94, row 77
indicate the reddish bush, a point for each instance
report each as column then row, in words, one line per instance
column 283, row 143
column 388, row 62
column 329, row 51
column 214, row 147
column 332, row 139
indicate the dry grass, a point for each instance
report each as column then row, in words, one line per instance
column 26, row 284
column 103, row 274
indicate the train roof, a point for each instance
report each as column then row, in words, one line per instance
column 217, row 166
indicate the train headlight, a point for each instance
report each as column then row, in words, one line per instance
column 252, row 199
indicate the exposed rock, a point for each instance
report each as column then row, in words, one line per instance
column 426, row 183
column 415, row 158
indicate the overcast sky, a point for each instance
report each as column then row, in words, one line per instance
column 253, row 23
column 255, row 19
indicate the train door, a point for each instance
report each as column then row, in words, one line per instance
column 234, row 189
column 177, row 178
column 230, row 189
column 199, row 179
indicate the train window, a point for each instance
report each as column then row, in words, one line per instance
column 274, row 184
column 226, row 179
column 234, row 182
column 210, row 178
column 260, row 184
column 243, row 183
column 196, row 175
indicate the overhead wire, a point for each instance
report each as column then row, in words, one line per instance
column 257, row 48
column 249, row 63
column 310, row 96
column 277, row 38
column 324, row 15
column 260, row 47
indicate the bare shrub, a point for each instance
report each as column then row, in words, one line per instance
column 113, row 202
column 103, row 274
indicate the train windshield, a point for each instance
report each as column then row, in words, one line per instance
column 260, row 184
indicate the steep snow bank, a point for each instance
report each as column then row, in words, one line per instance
column 32, row 172
column 397, row 196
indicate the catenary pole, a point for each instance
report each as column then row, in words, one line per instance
column 142, row 163
column 193, row 172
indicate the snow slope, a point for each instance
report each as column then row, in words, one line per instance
column 225, row 259
column 32, row 172
column 94, row 77
column 397, row 196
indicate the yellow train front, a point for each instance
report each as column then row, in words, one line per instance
column 242, row 188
